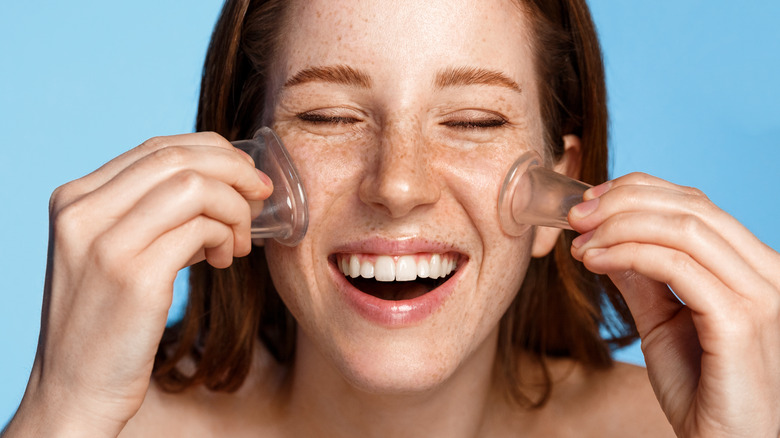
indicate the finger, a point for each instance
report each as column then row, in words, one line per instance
column 643, row 193
column 183, row 197
column 651, row 302
column 725, row 320
column 632, row 179
column 684, row 233
column 109, row 170
column 201, row 238
column 692, row 283
column 119, row 195
column 628, row 198
column 224, row 165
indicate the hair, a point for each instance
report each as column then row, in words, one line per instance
column 561, row 310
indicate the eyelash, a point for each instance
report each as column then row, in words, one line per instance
column 321, row 119
column 475, row 124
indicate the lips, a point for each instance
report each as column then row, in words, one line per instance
column 396, row 288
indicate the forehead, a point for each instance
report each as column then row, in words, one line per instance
column 411, row 34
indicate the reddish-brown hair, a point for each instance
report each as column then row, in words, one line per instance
column 561, row 309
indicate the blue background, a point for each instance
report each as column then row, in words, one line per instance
column 693, row 90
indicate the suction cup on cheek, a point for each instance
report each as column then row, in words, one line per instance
column 285, row 215
column 535, row 195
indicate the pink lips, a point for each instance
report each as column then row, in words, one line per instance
column 394, row 313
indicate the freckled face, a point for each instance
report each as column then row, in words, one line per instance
column 402, row 122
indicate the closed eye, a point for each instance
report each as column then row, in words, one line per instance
column 323, row 119
column 475, row 123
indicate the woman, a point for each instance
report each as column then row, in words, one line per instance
column 402, row 124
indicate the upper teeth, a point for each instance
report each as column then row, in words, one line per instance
column 396, row 268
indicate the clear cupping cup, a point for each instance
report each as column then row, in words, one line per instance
column 285, row 214
column 535, row 195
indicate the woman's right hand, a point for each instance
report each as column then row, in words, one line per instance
column 118, row 238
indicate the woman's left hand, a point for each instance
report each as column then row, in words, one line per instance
column 714, row 362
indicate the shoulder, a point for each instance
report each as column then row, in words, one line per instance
column 200, row 412
column 622, row 403
column 617, row 401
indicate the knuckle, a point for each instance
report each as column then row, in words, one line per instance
column 174, row 156
column 693, row 191
column 190, row 181
column 682, row 263
column 155, row 143
column 700, row 205
column 639, row 178
column 106, row 257
column 60, row 197
column 213, row 138
column 690, row 225
column 67, row 220
column 66, row 194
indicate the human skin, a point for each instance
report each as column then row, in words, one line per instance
column 394, row 168
column 418, row 173
column 118, row 237
column 397, row 165
column 713, row 362
column 356, row 374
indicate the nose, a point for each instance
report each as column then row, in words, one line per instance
column 401, row 179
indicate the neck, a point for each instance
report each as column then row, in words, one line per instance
column 322, row 402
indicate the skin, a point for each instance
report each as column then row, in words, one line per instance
column 387, row 163
column 713, row 362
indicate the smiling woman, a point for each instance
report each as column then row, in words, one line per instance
column 475, row 113
column 406, row 310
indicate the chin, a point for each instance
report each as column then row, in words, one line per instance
column 393, row 317
column 398, row 367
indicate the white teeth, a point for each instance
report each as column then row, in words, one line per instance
column 423, row 268
column 384, row 268
column 354, row 267
column 366, row 269
column 396, row 268
column 436, row 270
column 405, row 269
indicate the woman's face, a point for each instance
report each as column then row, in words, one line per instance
column 402, row 122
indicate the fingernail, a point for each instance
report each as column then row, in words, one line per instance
column 582, row 239
column 263, row 177
column 594, row 252
column 584, row 208
column 596, row 191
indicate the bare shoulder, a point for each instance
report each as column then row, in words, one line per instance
column 617, row 401
column 626, row 403
column 163, row 414
column 252, row 410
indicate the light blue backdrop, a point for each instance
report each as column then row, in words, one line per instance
column 693, row 93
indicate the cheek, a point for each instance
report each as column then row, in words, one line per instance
column 329, row 169
column 474, row 179
column 502, row 272
column 289, row 275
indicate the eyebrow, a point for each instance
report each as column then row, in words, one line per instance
column 452, row 77
column 337, row 74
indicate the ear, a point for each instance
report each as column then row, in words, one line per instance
column 569, row 165
column 258, row 242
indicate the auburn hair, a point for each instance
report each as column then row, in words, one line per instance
column 561, row 310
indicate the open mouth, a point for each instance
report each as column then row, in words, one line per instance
column 396, row 278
